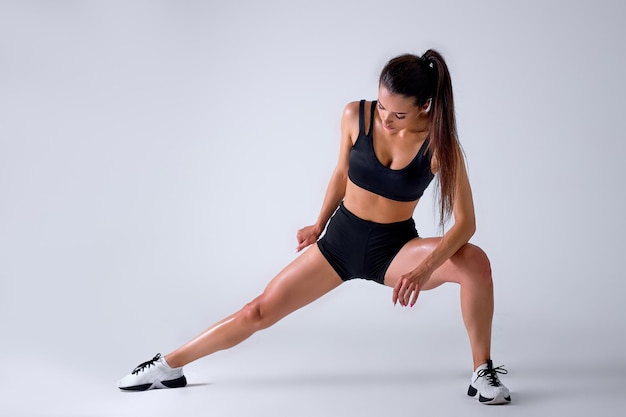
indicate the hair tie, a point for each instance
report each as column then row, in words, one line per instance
column 426, row 60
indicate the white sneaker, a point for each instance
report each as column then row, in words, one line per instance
column 487, row 386
column 155, row 373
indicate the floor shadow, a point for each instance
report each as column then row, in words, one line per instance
column 411, row 377
column 198, row 384
column 563, row 382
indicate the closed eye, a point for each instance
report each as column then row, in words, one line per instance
column 399, row 116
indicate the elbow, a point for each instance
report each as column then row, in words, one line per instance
column 471, row 229
column 467, row 228
column 341, row 175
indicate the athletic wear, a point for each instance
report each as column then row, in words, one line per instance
column 366, row 171
column 155, row 373
column 487, row 386
column 358, row 248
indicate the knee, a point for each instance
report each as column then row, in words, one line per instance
column 475, row 263
column 257, row 313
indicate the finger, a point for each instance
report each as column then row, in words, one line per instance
column 300, row 244
column 404, row 290
column 416, row 294
column 407, row 294
column 399, row 290
column 396, row 291
column 304, row 243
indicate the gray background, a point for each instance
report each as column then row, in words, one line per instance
column 157, row 158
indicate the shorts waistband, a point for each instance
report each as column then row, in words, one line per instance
column 370, row 223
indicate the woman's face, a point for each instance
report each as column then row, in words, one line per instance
column 397, row 112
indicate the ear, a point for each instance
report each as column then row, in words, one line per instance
column 427, row 106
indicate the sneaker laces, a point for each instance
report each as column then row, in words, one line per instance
column 492, row 375
column 146, row 364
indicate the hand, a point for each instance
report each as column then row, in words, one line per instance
column 307, row 236
column 408, row 287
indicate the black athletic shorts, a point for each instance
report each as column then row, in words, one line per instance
column 358, row 248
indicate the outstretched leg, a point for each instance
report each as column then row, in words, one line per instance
column 306, row 279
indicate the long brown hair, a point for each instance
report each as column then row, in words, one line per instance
column 427, row 78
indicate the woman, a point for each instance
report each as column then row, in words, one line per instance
column 390, row 151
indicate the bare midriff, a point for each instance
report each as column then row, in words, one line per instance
column 375, row 208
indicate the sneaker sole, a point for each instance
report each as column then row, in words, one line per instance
column 172, row 383
column 494, row 401
column 472, row 392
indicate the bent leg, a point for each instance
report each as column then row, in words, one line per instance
column 304, row 280
column 470, row 268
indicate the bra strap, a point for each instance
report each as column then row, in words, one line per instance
column 362, row 117
column 372, row 110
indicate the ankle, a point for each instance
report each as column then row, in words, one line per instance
column 480, row 363
column 170, row 360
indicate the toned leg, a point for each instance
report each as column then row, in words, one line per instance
column 306, row 279
column 470, row 268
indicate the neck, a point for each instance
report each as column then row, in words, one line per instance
column 421, row 125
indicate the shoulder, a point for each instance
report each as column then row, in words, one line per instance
column 458, row 157
column 434, row 164
column 350, row 120
column 351, row 111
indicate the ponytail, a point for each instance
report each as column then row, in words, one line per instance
column 443, row 135
column 427, row 78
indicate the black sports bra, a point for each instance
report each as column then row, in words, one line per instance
column 366, row 171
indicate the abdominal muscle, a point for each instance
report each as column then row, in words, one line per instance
column 375, row 208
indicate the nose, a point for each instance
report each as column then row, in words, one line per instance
column 387, row 117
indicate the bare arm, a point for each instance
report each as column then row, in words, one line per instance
column 336, row 189
column 464, row 224
column 457, row 236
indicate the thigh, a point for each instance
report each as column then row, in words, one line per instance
column 304, row 280
column 411, row 254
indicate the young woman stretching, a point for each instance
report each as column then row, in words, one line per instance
column 390, row 151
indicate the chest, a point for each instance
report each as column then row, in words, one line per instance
column 397, row 173
column 395, row 153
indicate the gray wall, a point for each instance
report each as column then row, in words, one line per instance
column 157, row 158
